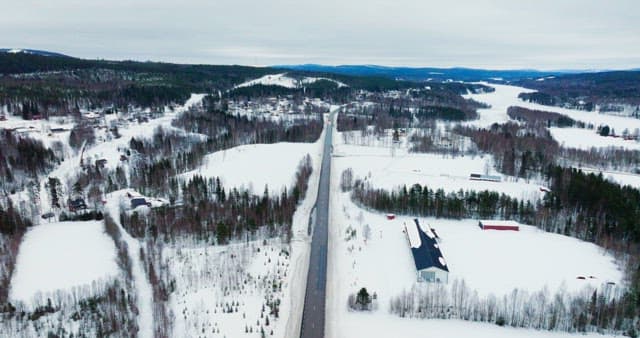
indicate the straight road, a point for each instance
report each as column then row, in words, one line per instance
column 315, row 295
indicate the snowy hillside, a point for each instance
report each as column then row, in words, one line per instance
column 283, row 80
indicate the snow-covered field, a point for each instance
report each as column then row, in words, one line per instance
column 499, row 261
column 436, row 171
column 382, row 325
column 587, row 139
column 67, row 257
column 505, row 96
column 502, row 98
column 255, row 166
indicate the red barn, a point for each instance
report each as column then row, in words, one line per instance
column 499, row 225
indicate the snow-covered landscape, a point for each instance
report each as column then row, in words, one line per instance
column 157, row 199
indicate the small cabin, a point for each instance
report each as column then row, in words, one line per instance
column 499, row 225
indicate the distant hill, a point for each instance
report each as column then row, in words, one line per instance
column 31, row 51
column 586, row 91
column 427, row 74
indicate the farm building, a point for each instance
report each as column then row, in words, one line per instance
column 430, row 264
column 490, row 178
column 498, row 225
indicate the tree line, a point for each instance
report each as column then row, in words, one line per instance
column 526, row 151
column 544, row 118
column 592, row 310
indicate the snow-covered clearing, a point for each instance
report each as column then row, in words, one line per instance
column 283, row 80
column 505, row 96
column 500, row 100
column 588, row 138
column 255, row 166
column 383, row 170
column 384, row 325
column 69, row 257
column 493, row 261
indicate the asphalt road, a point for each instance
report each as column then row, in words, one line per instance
column 315, row 295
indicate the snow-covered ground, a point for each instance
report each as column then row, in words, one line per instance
column 255, row 166
column 378, row 256
column 283, row 80
column 243, row 276
column 227, row 289
column 502, row 98
column 588, row 138
column 505, row 96
column 530, row 259
column 383, row 170
column 490, row 262
column 140, row 281
column 67, row 257
column 383, row 325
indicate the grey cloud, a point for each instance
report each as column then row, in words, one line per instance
column 541, row 34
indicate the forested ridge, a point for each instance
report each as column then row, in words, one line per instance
column 586, row 91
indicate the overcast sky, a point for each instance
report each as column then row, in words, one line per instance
column 501, row 34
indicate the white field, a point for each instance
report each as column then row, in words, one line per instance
column 383, row 325
column 62, row 257
column 436, row 171
column 588, row 138
column 255, row 166
column 502, row 98
column 505, row 96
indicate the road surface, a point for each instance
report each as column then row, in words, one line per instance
column 315, row 295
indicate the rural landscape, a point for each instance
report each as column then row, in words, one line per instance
column 333, row 199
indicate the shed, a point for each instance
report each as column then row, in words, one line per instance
column 428, row 259
column 498, row 225
column 391, row 216
column 489, row 178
